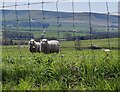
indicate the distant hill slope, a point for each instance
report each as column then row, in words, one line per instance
column 65, row 17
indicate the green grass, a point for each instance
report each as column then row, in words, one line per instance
column 67, row 70
column 99, row 42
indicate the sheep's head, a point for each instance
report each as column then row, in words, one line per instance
column 44, row 42
column 32, row 43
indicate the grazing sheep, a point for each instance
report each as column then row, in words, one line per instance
column 94, row 47
column 49, row 46
column 34, row 46
column 106, row 51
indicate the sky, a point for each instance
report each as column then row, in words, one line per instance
column 62, row 0
column 98, row 6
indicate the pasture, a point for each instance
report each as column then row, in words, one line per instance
column 68, row 70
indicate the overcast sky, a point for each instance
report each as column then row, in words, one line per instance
column 98, row 6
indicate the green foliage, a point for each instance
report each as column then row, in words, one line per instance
column 67, row 70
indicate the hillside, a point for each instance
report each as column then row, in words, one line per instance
column 65, row 17
column 81, row 22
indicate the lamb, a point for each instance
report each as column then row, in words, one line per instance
column 34, row 46
column 49, row 46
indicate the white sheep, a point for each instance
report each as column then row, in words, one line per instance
column 49, row 46
column 106, row 51
column 34, row 46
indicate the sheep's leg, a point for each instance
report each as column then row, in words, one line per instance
column 35, row 48
column 57, row 51
column 39, row 50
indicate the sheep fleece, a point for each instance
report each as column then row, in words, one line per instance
column 51, row 46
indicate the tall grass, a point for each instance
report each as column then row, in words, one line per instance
column 68, row 70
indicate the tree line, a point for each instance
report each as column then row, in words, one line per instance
column 12, row 37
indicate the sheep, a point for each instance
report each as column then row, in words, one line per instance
column 107, row 51
column 34, row 46
column 94, row 47
column 54, row 46
column 49, row 46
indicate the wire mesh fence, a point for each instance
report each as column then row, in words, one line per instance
column 89, row 45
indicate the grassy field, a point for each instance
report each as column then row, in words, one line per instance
column 100, row 42
column 68, row 70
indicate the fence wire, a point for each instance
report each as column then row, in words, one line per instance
column 90, row 29
column 118, row 30
column 108, row 26
column 17, row 29
column 44, row 19
column 29, row 17
column 73, row 11
column 58, row 19
column 4, row 25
